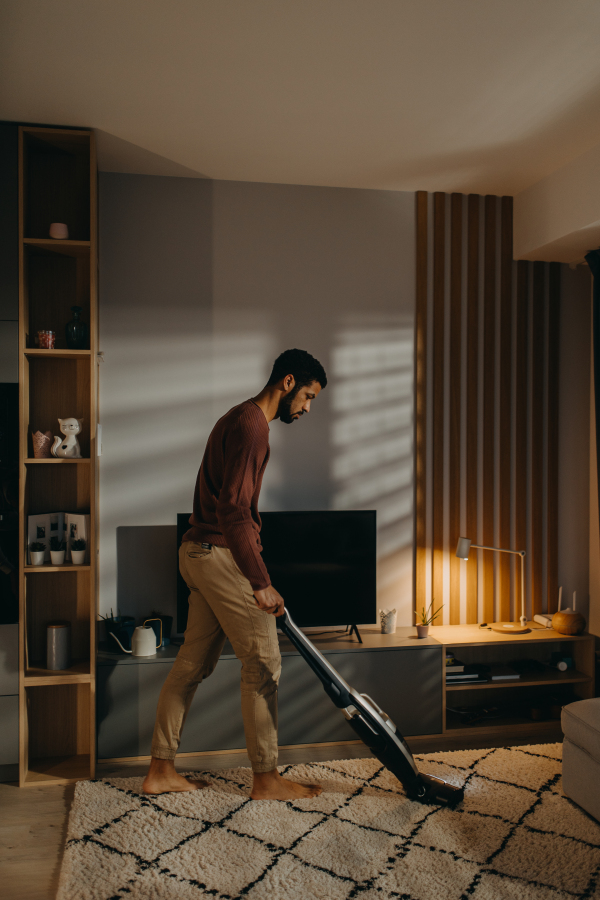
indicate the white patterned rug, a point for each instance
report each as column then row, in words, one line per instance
column 515, row 836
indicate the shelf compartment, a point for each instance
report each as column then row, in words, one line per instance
column 65, row 598
column 65, row 248
column 55, row 461
column 78, row 673
column 542, row 679
column 59, row 388
column 54, row 283
column 57, row 488
column 59, row 730
column 58, row 770
column 36, row 352
column 56, row 182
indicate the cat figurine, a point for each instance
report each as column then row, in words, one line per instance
column 68, row 447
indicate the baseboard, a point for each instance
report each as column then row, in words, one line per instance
column 126, row 759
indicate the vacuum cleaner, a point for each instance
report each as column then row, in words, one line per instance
column 372, row 725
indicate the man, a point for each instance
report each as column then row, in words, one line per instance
column 231, row 594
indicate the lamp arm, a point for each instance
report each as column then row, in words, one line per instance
column 520, row 553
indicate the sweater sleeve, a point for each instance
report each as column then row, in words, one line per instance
column 245, row 451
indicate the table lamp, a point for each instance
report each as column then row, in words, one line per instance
column 462, row 551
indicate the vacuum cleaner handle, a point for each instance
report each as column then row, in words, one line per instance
column 338, row 690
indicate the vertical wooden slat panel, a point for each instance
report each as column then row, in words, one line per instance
column 421, row 402
column 456, row 206
column 521, row 421
column 552, row 486
column 489, row 363
column 537, row 438
column 439, row 226
column 472, row 391
column 504, row 442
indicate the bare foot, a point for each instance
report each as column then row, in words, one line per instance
column 273, row 786
column 162, row 779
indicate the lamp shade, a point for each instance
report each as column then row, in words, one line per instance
column 463, row 547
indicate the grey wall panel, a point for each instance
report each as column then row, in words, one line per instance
column 9, row 730
column 9, row 659
column 407, row 684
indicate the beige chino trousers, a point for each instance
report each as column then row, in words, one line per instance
column 222, row 605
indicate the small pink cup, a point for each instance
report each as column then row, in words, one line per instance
column 59, row 231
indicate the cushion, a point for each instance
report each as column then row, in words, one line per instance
column 581, row 724
column 581, row 777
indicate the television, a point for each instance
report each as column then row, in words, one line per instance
column 323, row 564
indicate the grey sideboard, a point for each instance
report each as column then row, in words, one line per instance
column 402, row 674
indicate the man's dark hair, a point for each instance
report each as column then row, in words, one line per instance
column 304, row 367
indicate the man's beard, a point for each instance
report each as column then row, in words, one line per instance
column 284, row 410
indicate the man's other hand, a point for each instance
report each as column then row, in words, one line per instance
column 270, row 600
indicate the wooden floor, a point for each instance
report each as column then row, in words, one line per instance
column 33, row 821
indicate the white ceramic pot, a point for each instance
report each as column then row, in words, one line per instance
column 37, row 557
column 57, row 557
column 77, row 557
column 422, row 631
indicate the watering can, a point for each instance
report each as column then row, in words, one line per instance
column 143, row 640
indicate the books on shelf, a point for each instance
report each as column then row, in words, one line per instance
column 504, row 673
column 453, row 665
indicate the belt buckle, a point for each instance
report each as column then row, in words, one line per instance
column 206, row 546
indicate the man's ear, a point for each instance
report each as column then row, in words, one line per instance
column 288, row 383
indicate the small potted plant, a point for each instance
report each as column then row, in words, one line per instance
column 426, row 617
column 77, row 551
column 37, row 552
column 57, row 551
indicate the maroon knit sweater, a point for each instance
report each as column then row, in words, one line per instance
column 228, row 486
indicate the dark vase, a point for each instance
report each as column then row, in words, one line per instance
column 76, row 331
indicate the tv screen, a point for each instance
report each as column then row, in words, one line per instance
column 322, row 563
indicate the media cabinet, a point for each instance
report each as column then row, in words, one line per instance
column 405, row 675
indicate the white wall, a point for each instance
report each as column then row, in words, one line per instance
column 202, row 285
column 558, row 219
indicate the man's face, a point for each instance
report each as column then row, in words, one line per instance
column 297, row 402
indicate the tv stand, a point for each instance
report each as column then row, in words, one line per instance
column 354, row 628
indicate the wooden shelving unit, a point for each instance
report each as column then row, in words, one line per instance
column 473, row 644
column 57, row 183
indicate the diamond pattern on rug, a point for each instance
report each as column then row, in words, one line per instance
column 151, row 832
column 425, row 873
column 217, row 858
column 526, row 770
column 498, row 887
column 515, row 837
column 291, row 879
column 494, row 798
column 471, row 837
column 549, row 859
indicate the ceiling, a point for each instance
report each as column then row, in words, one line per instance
column 454, row 95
